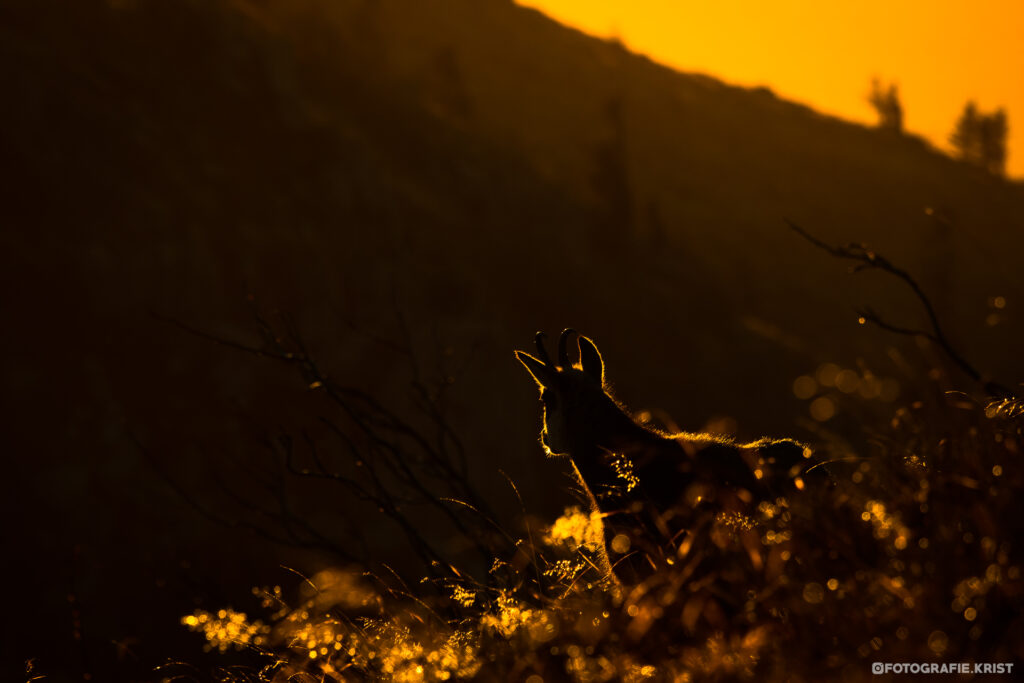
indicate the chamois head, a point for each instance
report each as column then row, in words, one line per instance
column 578, row 412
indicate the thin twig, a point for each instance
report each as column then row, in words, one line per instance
column 867, row 258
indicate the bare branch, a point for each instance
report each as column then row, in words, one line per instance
column 220, row 520
column 394, row 462
column 867, row 258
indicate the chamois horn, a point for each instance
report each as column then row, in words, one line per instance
column 542, row 353
column 563, row 350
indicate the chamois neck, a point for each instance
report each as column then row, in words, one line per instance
column 618, row 433
column 631, row 436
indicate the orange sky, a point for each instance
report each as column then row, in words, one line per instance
column 940, row 52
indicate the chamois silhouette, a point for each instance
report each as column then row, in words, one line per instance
column 646, row 485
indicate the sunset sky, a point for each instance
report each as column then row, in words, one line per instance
column 941, row 52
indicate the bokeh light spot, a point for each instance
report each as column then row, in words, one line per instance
column 847, row 381
column 804, row 387
column 822, row 408
column 827, row 373
column 814, row 593
column 938, row 642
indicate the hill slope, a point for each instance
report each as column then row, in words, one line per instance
column 469, row 167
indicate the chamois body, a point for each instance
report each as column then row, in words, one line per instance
column 646, row 485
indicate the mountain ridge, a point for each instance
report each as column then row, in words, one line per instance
column 453, row 180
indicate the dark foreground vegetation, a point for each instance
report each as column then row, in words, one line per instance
column 908, row 551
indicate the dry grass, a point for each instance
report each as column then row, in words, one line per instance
column 910, row 554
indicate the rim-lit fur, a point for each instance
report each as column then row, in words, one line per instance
column 644, row 483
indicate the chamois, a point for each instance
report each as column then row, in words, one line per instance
column 644, row 484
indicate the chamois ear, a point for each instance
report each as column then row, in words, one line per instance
column 590, row 359
column 538, row 370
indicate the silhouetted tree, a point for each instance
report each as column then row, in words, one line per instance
column 886, row 102
column 966, row 136
column 994, row 132
column 980, row 139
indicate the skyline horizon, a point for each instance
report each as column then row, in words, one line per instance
column 934, row 84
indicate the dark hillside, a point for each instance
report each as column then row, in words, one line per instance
column 468, row 167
